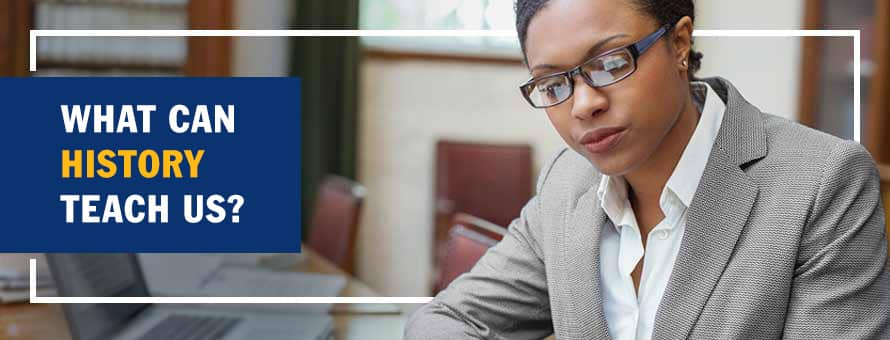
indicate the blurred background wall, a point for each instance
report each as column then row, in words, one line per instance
column 766, row 70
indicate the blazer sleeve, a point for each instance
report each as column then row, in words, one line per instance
column 504, row 296
column 841, row 285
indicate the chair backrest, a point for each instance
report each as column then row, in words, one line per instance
column 490, row 181
column 480, row 225
column 335, row 220
column 465, row 247
column 477, row 224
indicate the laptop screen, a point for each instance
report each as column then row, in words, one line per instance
column 98, row 275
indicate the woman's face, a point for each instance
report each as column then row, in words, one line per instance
column 620, row 126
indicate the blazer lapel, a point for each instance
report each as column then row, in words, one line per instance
column 716, row 216
column 713, row 225
column 580, row 254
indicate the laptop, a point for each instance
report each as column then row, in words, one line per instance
column 121, row 275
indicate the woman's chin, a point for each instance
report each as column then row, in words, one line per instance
column 610, row 165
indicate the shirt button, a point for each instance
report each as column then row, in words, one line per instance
column 662, row 234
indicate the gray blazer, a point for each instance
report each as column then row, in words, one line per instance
column 785, row 239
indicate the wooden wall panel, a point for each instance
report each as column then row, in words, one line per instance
column 884, row 170
column 15, row 22
column 209, row 56
column 876, row 138
column 811, row 59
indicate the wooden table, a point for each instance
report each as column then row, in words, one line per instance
column 381, row 321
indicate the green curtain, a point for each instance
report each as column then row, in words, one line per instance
column 329, row 71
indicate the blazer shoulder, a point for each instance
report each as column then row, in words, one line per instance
column 812, row 162
column 785, row 136
column 800, row 154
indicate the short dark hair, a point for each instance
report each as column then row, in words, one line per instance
column 665, row 12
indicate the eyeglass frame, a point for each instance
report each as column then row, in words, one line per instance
column 636, row 50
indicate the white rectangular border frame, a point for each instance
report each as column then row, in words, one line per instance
column 855, row 34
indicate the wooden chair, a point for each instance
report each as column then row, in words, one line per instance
column 480, row 225
column 335, row 220
column 490, row 181
column 474, row 223
column 465, row 247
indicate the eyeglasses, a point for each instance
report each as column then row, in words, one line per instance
column 602, row 70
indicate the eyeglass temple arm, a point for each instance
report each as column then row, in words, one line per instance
column 642, row 45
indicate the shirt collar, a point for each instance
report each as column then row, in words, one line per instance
column 686, row 176
column 612, row 191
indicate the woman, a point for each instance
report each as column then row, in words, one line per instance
column 679, row 210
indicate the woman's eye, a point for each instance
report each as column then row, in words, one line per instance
column 549, row 90
column 611, row 63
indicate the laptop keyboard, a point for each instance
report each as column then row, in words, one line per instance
column 191, row 327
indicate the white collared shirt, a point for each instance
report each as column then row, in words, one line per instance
column 630, row 316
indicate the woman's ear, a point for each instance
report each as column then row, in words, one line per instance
column 682, row 41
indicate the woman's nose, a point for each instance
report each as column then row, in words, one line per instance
column 587, row 101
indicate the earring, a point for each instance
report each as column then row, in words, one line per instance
column 685, row 63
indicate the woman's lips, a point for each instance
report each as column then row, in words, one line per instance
column 602, row 140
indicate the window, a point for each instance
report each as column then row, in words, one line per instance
column 441, row 14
